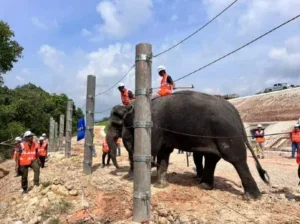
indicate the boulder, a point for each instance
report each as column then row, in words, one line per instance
column 62, row 191
column 45, row 203
column 73, row 192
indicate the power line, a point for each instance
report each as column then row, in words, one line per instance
column 100, row 112
column 116, row 82
column 245, row 45
column 180, row 42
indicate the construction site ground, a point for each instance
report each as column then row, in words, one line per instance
column 105, row 196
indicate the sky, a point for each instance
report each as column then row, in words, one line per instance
column 64, row 41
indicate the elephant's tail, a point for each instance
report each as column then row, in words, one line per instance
column 262, row 173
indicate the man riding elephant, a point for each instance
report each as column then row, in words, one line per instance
column 199, row 123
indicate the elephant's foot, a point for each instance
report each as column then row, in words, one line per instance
column 161, row 184
column 252, row 196
column 206, row 186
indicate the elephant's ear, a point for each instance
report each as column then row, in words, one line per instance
column 129, row 108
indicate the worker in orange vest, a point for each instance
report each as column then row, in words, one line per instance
column 42, row 150
column 295, row 139
column 105, row 150
column 126, row 95
column 18, row 141
column 27, row 155
column 260, row 141
column 119, row 147
column 166, row 85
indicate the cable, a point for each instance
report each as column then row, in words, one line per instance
column 100, row 112
column 116, row 82
column 245, row 45
column 180, row 42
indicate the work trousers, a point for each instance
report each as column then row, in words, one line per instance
column 295, row 146
column 36, row 169
column 42, row 159
column 103, row 158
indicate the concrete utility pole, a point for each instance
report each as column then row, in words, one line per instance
column 89, row 130
column 51, row 135
column 69, row 128
column 61, row 131
column 142, row 135
column 55, row 135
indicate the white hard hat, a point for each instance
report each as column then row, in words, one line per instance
column 296, row 126
column 18, row 139
column 41, row 138
column 28, row 133
column 161, row 68
column 121, row 84
column 44, row 135
column 259, row 126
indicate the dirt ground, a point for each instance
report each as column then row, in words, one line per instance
column 107, row 193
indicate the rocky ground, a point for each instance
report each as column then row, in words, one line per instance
column 274, row 106
column 66, row 195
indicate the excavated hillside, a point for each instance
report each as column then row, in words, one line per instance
column 275, row 106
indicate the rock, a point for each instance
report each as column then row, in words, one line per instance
column 69, row 187
column 51, row 196
column 35, row 220
column 45, row 203
column 25, row 198
column 170, row 218
column 163, row 212
column 54, row 188
column 85, row 204
column 33, row 201
column 275, row 186
column 45, row 191
column 282, row 196
column 162, row 220
column 73, row 192
column 18, row 222
column 128, row 213
column 62, row 190
column 184, row 218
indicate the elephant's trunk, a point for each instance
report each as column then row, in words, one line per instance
column 112, row 150
column 114, row 158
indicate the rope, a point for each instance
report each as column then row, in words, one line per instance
column 116, row 82
column 206, row 136
column 189, row 36
column 243, row 46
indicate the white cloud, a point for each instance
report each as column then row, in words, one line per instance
column 174, row 17
column 121, row 17
column 37, row 22
column 19, row 78
column 52, row 57
column 85, row 32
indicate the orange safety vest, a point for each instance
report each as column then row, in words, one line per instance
column 125, row 97
column 28, row 155
column 295, row 136
column 260, row 139
column 119, row 141
column 42, row 149
column 105, row 146
column 165, row 87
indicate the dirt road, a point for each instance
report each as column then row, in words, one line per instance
column 109, row 192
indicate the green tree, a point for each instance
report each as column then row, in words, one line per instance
column 10, row 50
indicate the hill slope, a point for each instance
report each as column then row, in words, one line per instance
column 275, row 106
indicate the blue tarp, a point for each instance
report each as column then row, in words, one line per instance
column 80, row 129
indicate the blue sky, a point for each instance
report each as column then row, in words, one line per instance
column 65, row 41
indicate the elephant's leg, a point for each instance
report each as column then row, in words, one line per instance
column 162, row 164
column 207, row 180
column 130, row 157
column 198, row 159
column 249, row 184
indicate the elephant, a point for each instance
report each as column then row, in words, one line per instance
column 199, row 123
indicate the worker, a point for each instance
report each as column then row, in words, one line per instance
column 166, row 85
column 126, row 95
column 27, row 155
column 105, row 150
column 42, row 151
column 260, row 141
column 18, row 141
column 295, row 139
column 119, row 147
